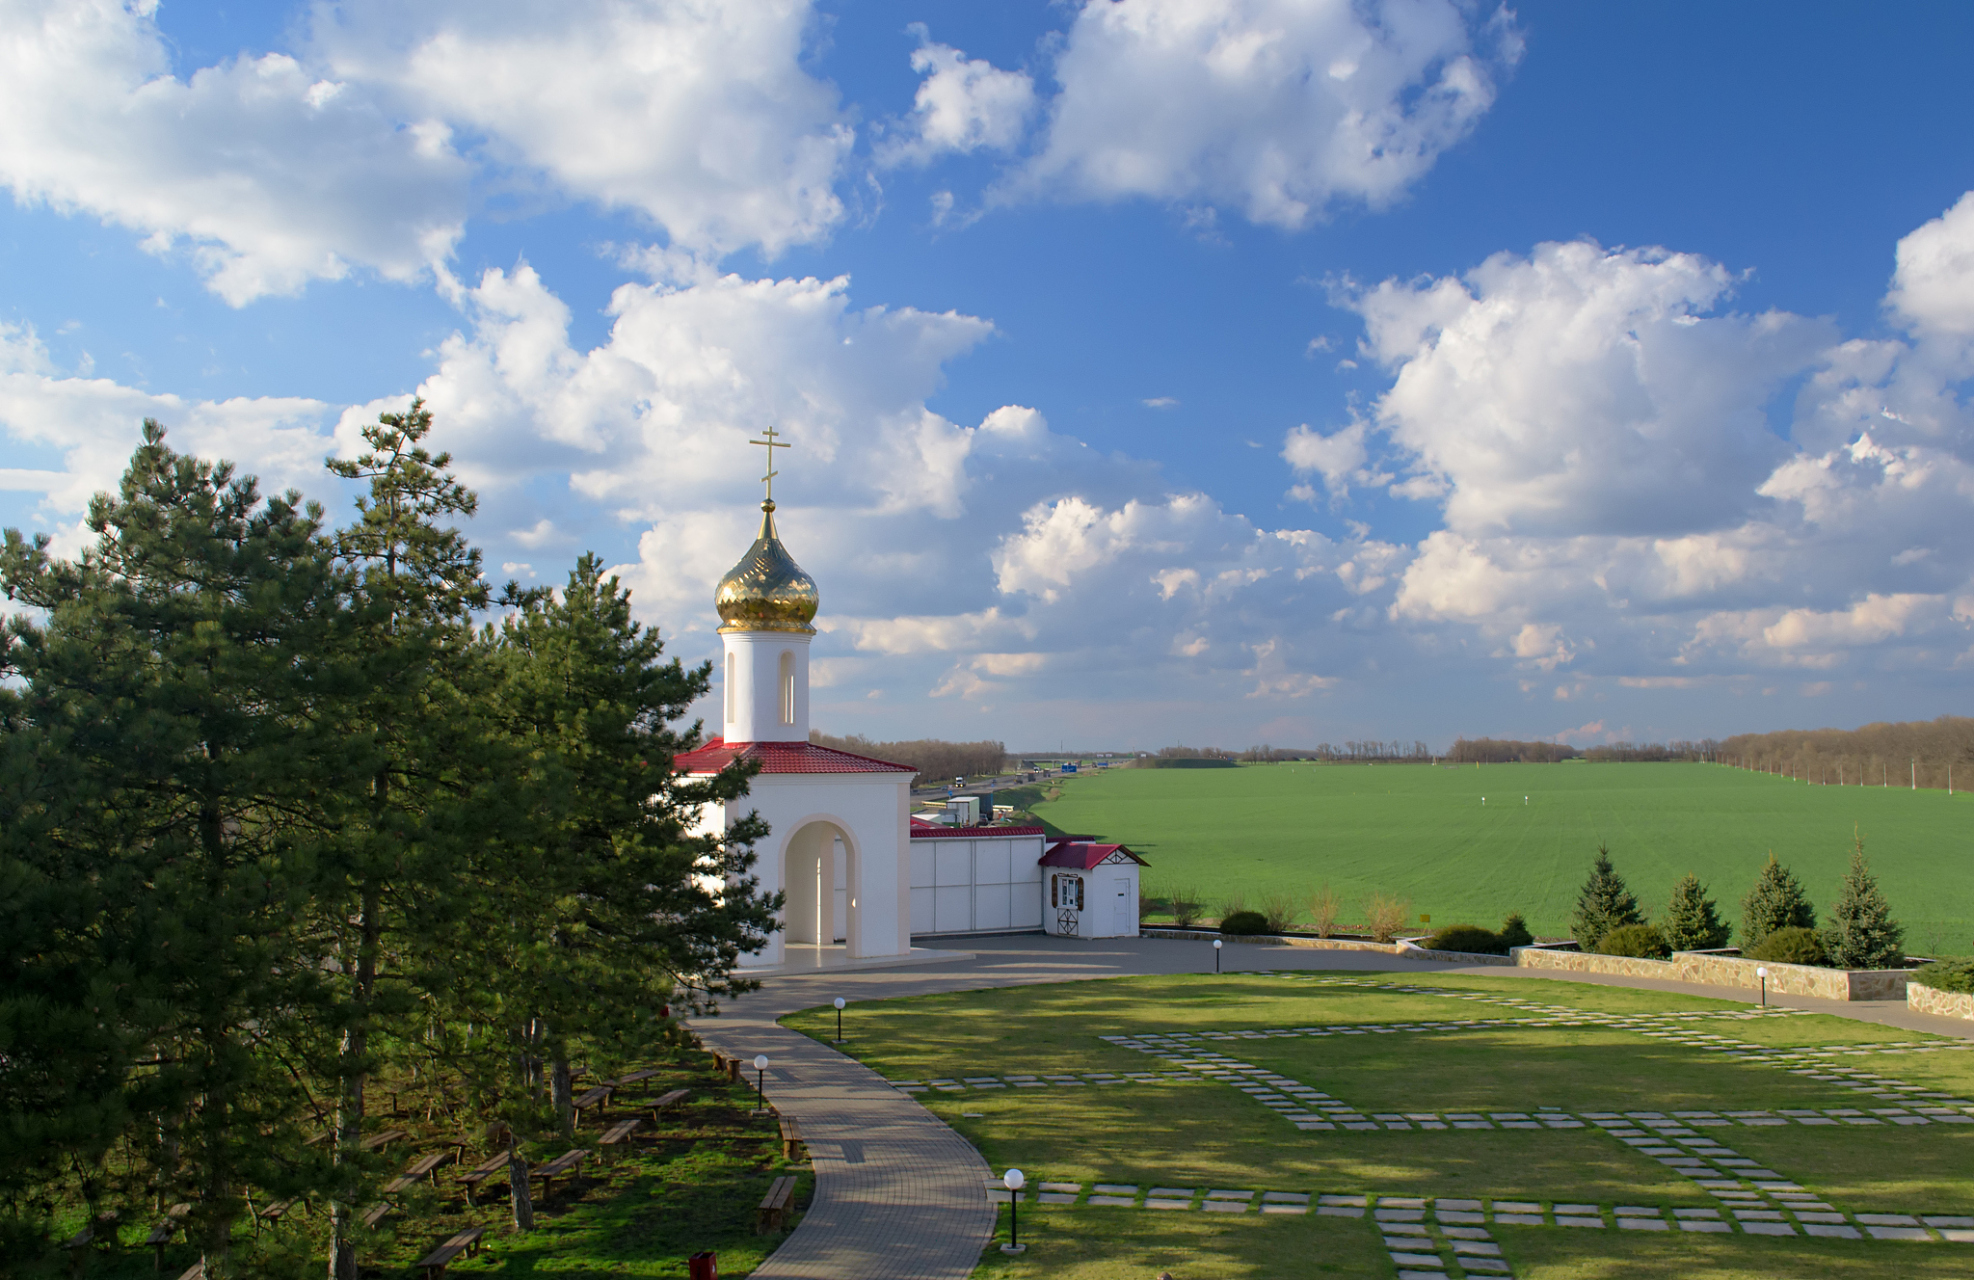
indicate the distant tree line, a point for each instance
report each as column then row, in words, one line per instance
column 935, row 760
column 284, row 819
column 1930, row 752
column 1348, row 753
column 1510, row 751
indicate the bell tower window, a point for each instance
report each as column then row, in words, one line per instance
column 729, row 683
column 787, row 687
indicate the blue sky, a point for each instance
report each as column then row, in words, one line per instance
column 1159, row 370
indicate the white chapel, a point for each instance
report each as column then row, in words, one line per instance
column 839, row 823
column 857, row 869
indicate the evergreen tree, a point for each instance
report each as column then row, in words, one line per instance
column 174, row 677
column 418, row 731
column 1776, row 902
column 1861, row 933
column 629, row 911
column 1692, row 921
column 1603, row 905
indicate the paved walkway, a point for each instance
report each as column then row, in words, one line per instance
column 898, row 1194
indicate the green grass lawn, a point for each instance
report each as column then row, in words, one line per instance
column 1422, row 832
column 1202, row 1133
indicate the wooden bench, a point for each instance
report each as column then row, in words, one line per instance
column 667, row 1101
column 564, row 1165
column 279, row 1210
column 376, row 1213
column 598, row 1098
column 426, row 1166
column 480, row 1172
column 377, row 1141
column 776, row 1204
column 638, row 1077
column 162, row 1233
column 466, row 1242
column 619, row 1135
column 197, row 1271
column 87, row 1236
column 791, row 1136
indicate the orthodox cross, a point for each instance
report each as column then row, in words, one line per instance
column 772, row 443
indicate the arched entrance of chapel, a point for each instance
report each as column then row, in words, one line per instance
column 818, row 851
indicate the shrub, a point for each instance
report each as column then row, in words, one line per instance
column 1324, row 906
column 1947, row 975
column 1792, row 945
column 1643, row 941
column 1244, row 923
column 1603, row 904
column 1692, row 921
column 1386, row 915
column 1468, row 937
column 1185, row 907
column 1862, row 933
column 1278, row 911
column 1514, row 932
column 1776, row 902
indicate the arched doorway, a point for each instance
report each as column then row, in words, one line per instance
column 818, row 870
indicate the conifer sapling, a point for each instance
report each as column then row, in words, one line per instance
column 1692, row 921
column 1603, row 905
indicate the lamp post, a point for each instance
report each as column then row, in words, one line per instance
column 839, row 1020
column 1013, row 1180
column 1217, row 944
column 761, row 1082
column 1761, row 971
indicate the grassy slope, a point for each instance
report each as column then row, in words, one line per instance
column 1423, row 832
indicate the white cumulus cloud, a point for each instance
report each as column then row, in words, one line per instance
column 1276, row 108
column 963, row 105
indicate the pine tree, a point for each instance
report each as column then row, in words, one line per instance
column 623, row 920
column 1776, row 902
column 1861, row 933
column 1692, row 921
column 1603, row 905
column 420, row 737
column 174, row 676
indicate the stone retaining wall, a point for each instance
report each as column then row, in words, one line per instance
column 1404, row 950
column 1730, row 971
column 1921, row 998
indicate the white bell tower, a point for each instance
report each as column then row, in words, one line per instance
column 767, row 609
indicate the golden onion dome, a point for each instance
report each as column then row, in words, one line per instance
column 767, row 590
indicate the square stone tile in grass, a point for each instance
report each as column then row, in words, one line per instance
column 1208, row 1136
column 1539, row 1254
column 1878, row 1170
column 1495, row 1069
column 1076, row 1244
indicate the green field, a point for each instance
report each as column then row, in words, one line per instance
column 1422, row 832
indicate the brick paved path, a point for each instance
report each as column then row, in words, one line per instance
column 898, row 1194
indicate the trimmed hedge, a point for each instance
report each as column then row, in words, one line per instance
column 1793, row 945
column 1640, row 941
column 1245, row 923
column 1947, row 975
column 1468, row 937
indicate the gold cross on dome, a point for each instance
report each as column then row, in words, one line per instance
column 772, row 443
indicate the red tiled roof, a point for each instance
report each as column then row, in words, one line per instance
column 933, row 831
column 783, row 757
column 1083, row 855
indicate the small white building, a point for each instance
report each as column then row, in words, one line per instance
column 1090, row 890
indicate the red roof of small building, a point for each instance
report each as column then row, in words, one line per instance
column 934, row 831
column 1082, row 855
column 783, row 757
